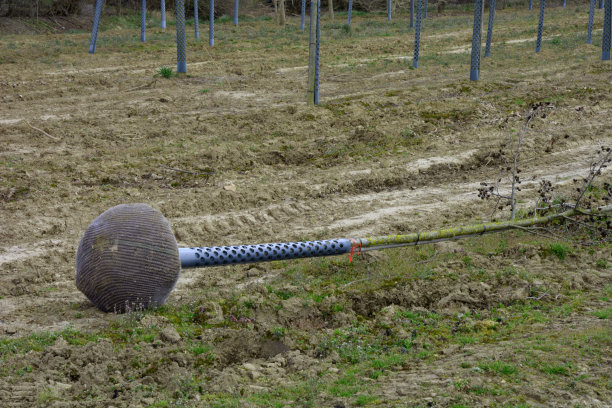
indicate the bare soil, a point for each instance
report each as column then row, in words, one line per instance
column 230, row 153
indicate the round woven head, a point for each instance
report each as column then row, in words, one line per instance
column 127, row 259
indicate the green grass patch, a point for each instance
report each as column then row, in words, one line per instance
column 556, row 369
column 498, row 367
column 604, row 313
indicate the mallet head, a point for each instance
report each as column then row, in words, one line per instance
column 128, row 258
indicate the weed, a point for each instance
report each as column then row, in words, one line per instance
column 498, row 367
column 278, row 332
column 165, row 72
column 200, row 349
column 362, row 400
column 556, row 369
column 47, row 395
column 559, row 250
column 467, row 261
column 604, row 313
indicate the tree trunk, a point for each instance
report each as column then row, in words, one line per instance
column 281, row 20
column 331, row 9
column 275, row 10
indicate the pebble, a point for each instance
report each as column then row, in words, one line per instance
column 170, row 335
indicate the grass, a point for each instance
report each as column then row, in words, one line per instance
column 367, row 349
column 165, row 72
column 47, row 395
column 498, row 367
column 604, row 313
column 559, row 250
column 556, row 369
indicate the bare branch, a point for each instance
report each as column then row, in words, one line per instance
column 42, row 131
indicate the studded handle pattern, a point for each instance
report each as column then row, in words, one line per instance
column 241, row 254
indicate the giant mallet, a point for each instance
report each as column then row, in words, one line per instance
column 128, row 257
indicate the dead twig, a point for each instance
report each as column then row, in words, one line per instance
column 595, row 170
column 584, row 224
column 532, row 230
column 539, row 297
column 42, row 131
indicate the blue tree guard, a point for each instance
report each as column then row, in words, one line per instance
column 601, row 2
column 564, row 3
column 350, row 12
column 236, row 7
column 317, row 53
column 591, row 15
column 211, row 22
column 162, row 6
column 540, row 25
column 181, row 49
column 605, row 39
column 425, row 9
column 303, row 15
column 417, row 34
column 530, row 4
column 196, row 19
column 490, row 27
column 411, row 13
column 476, row 41
column 96, row 24
column 143, row 18
column 388, row 10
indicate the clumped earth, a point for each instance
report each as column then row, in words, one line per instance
column 231, row 154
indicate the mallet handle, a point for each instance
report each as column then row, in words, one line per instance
column 240, row 254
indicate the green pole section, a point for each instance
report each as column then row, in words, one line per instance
column 391, row 241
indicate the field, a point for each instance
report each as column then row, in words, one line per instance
column 231, row 154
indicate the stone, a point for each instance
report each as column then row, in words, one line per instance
column 170, row 335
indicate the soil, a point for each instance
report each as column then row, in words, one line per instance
column 232, row 154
